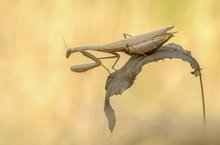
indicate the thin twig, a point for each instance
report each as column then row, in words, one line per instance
column 203, row 100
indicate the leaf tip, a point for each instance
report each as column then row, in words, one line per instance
column 197, row 72
column 110, row 115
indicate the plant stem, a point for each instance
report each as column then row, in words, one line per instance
column 203, row 100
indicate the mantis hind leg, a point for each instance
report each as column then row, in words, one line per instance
column 126, row 36
column 116, row 55
column 128, row 49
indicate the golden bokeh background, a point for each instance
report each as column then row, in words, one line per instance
column 43, row 102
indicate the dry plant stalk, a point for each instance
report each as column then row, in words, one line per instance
column 122, row 79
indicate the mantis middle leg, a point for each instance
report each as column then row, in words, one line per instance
column 116, row 55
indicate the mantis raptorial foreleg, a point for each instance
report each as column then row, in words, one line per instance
column 85, row 67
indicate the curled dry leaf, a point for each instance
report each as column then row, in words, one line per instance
column 122, row 79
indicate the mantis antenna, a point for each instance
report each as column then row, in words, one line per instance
column 64, row 42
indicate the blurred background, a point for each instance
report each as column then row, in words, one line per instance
column 43, row 102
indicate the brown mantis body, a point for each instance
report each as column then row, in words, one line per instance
column 140, row 45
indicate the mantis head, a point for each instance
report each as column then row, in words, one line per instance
column 68, row 52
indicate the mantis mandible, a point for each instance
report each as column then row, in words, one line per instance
column 142, row 44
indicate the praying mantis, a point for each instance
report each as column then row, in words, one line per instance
column 142, row 44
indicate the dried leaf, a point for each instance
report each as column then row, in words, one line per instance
column 122, row 79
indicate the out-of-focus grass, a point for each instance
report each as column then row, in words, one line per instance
column 42, row 102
